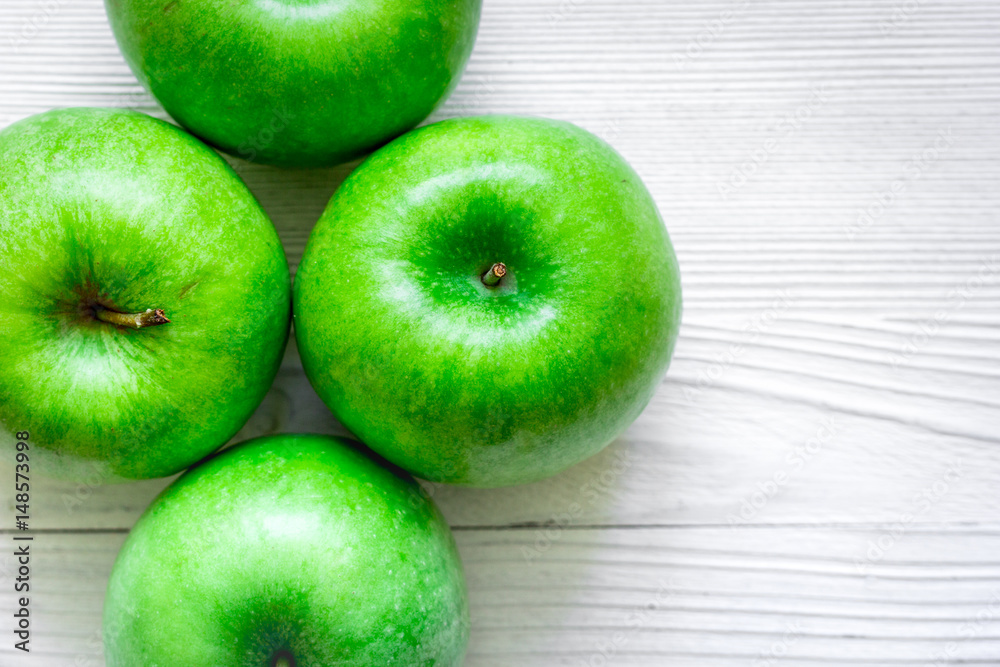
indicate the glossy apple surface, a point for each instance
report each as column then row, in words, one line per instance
column 301, row 83
column 292, row 550
column 109, row 211
column 457, row 381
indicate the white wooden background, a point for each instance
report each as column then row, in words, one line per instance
column 828, row 170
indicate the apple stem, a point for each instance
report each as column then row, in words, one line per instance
column 492, row 277
column 148, row 318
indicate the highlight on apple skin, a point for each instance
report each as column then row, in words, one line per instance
column 144, row 296
column 488, row 301
column 288, row 550
column 297, row 83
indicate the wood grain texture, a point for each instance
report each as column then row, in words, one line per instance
column 696, row 596
column 845, row 443
column 827, row 171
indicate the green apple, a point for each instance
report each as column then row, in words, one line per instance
column 291, row 550
column 144, row 295
column 488, row 301
column 297, row 82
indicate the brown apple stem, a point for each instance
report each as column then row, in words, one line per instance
column 148, row 318
column 492, row 277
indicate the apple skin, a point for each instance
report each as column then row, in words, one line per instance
column 458, row 382
column 297, row 83
column 291, row 545
column 114, row 208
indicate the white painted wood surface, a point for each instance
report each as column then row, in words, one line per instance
column 818, row 480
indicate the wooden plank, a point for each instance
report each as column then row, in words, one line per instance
column 828, row 171
column 809, row 424
column 687, row 596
